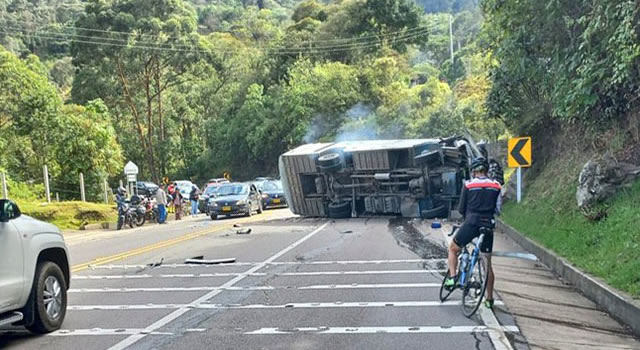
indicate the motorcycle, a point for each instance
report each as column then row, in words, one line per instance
column 139, row 210
column 126, row 215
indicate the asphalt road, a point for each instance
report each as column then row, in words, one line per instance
column 296, row 284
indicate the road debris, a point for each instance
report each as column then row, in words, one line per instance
column 210, row 262
column 245, row 231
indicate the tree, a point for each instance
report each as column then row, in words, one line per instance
column 29, row 112
column 87, row 144
column 158, row 46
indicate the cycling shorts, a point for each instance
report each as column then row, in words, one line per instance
column 467, row 232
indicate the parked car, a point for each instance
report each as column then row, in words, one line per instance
column 184, row 186
column 34, row 271
column 259, row 181
column 272, row 194
column 146, row 188
column 235, row 199
column 411, row 178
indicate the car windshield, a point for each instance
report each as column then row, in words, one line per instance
column 232, row 190
column 211, row 190
column 272, row 186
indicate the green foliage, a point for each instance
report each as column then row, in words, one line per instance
column 573, row 61
column 607, row 249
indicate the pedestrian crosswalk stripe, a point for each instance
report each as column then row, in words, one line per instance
column 311, row 305
column 374, row 330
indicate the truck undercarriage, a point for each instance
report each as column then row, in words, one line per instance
column 411, row 178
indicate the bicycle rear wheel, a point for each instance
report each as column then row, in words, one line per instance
column 476, row 285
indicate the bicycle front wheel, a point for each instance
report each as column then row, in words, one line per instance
column 474, row 289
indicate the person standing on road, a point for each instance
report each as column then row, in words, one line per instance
column 177, row 202
column 479, row 201
column 193, row 197
column 161, row 199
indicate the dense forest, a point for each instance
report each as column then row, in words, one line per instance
column 189, row 89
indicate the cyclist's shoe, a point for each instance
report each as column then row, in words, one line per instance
column 450, row 283
column 488, row 303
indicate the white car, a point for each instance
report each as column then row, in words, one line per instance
column 34, row 271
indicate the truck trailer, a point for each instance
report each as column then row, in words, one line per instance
column 419, row 178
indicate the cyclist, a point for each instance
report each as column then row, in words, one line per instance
column 479, row 201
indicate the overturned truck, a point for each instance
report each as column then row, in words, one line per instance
column 410, row 178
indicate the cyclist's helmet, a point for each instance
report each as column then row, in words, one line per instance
column 479, row 164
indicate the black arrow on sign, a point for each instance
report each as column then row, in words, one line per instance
column 515, row 152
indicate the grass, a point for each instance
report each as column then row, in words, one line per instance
column 69, row 215
column 608, row 249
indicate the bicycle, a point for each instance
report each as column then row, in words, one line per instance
column 472, row 281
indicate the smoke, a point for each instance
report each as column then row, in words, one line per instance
column 358, row 123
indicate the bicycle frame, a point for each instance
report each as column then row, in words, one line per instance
column 474, row 259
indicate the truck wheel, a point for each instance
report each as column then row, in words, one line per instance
column 340, row 210
column 330, row 162
column 48, row 298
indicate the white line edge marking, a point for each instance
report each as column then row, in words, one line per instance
column 497, row 336
column 254, row 288
column 337, row 262
column 373, row 330
column 312, row 305
column 177, row 313
column 256, row 274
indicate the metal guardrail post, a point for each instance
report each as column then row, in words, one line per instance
column 5, row 194
column 82, row 197
column 46, row 184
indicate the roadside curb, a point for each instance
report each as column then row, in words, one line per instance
column 618, row 304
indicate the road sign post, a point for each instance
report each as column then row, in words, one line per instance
column 519, row 156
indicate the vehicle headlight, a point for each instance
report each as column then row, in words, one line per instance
column 240, row 202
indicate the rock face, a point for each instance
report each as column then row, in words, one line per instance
column 601, row 177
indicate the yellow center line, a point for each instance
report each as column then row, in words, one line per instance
column 161, row 244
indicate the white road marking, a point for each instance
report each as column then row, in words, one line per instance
column 336, row 262
column 497, row 336
column 101, row 331
column 177, row 313
column 195, row 330
column 256, row 274
column 253, row 288
column 374, row 286
column 374, row 330
column 312, row 305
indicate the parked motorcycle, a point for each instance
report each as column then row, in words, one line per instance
column 139, row 210
column 126, row 215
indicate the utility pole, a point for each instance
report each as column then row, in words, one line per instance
column 451, row 36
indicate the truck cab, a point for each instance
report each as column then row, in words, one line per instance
column 34, row 271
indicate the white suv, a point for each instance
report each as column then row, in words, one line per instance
column 34, row 271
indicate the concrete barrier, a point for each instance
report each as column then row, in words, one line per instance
column 619, row 305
